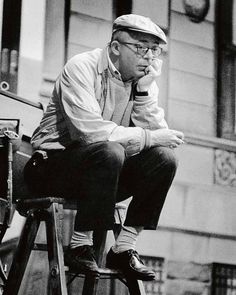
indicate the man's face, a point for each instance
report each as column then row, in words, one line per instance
column 132, row 64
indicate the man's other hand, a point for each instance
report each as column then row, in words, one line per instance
column 166, row 137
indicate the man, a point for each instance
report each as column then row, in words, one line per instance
column 103, row 139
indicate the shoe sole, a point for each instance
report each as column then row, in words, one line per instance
column 83, row 270
column 133, row 275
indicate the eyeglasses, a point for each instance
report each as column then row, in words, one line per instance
column 143, row 50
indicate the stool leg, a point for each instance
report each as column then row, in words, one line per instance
column 135, row 287
column 2, row 273
column 91, row 283
column 54, row 223
column 99, row 238
column 21, row 255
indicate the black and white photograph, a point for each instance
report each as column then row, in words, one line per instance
column 117, row 147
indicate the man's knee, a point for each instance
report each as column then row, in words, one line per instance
column 112, row 153
column 167, row 157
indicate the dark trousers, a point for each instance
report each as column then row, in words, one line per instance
column 99, row 175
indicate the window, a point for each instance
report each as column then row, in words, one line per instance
column 155, row 287
column 223, row 279
column 121, row 7
column 157, row 264
column 226, row 63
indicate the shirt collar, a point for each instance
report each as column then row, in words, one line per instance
column 106, row 63
column 112, row 67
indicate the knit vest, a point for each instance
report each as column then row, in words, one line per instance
column 116, row 102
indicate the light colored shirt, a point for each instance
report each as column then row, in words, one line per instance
column 90, row 103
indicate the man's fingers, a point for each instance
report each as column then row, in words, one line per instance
column 155, row 68
column 157, row 65
column 179, row 141
column 179, row 134
column 176, row 143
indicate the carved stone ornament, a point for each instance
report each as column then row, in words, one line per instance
column 225, row 168
column 196, row 10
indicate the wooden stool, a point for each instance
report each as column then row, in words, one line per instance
column 50, row 210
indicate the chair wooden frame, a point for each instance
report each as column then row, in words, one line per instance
column 50, row 211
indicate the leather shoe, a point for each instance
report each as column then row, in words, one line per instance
column 130, row 264
column 81, row 260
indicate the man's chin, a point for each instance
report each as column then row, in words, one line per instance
column 137, row 76
column 140, row 74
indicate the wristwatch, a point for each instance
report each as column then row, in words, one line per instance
column 140, row 93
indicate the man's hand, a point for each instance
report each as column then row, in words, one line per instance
column 151, row 73
column 166, row 137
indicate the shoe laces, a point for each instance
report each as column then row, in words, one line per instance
column 132, row 252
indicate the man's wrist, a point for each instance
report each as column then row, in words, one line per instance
column 140, row 92
column 148, row 143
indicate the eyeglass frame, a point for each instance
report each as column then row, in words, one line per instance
column 140, row 47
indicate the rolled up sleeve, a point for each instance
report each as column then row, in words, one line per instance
column 146, row 112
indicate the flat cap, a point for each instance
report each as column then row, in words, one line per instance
column 139, row 23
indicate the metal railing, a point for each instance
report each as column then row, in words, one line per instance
column 223, row 279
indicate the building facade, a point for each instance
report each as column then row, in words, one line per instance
column 195, row 242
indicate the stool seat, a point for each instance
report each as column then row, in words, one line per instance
column 51, row 211
column 23, row 205
column 104, row 273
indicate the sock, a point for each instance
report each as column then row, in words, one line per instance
column 127, row 239
column 81, row 238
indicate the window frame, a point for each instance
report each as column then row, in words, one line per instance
column 226, row 71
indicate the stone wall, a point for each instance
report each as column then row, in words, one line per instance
column 186, row 278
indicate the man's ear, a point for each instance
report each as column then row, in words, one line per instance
column 115, row 47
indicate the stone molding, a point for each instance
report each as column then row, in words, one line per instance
column 224, row 157
column 225, row 168
column 212, row 142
